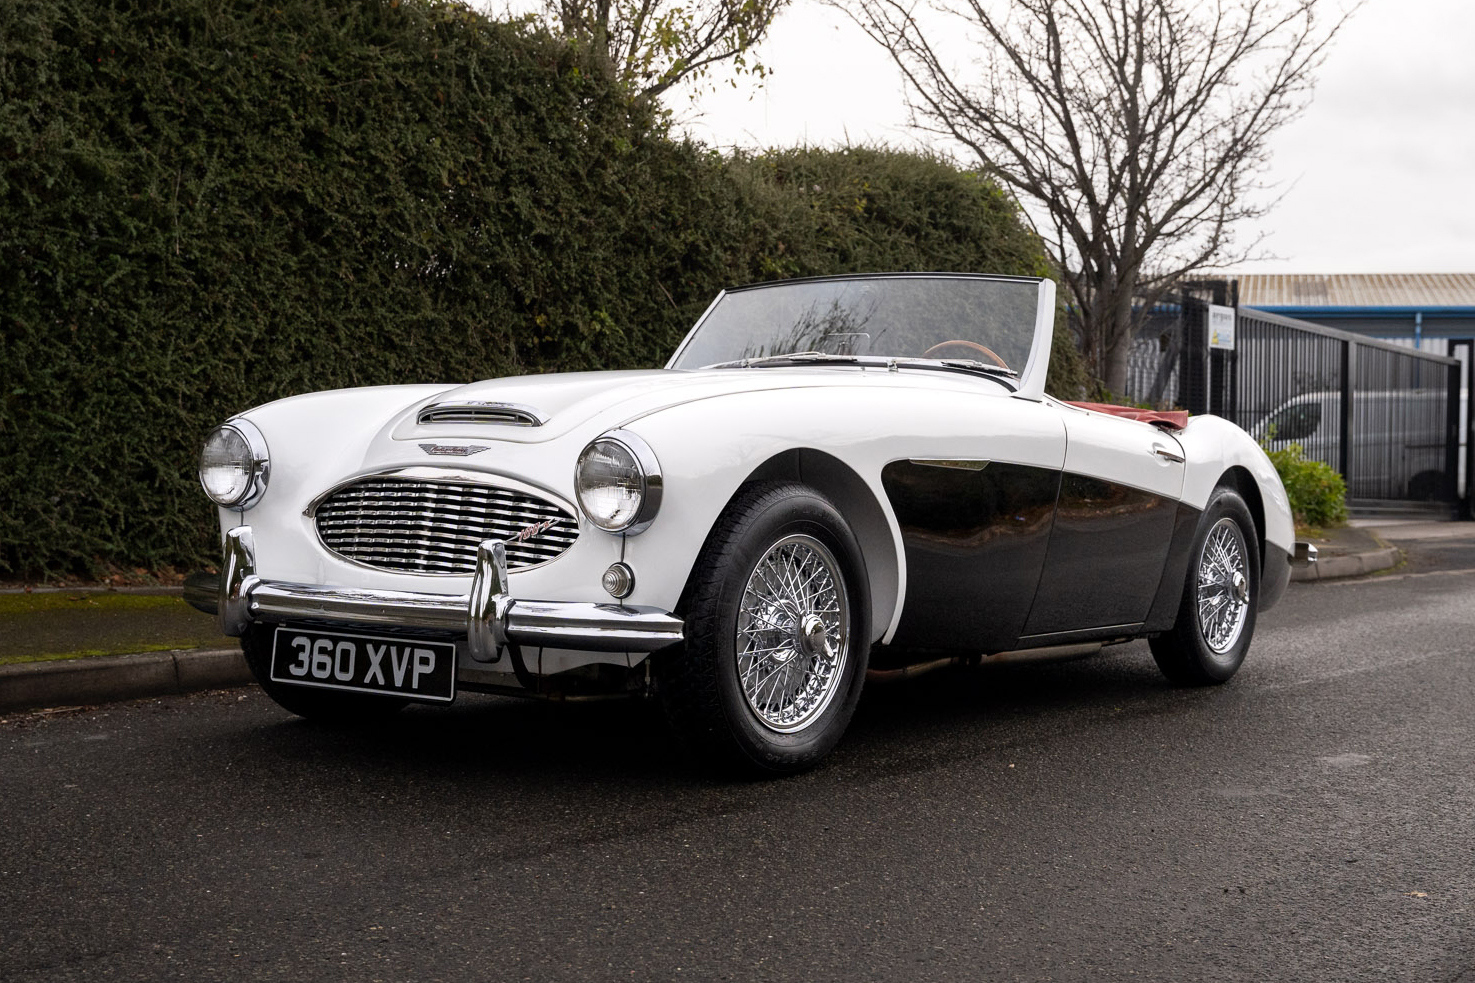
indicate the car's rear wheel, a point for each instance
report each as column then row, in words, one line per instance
column 324, row 705
column 777, row 634
column 1216, row 617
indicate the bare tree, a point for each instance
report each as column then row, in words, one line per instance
column 653, row 44
column 1135, row 131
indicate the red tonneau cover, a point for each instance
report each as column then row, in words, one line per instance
column 1168, row 419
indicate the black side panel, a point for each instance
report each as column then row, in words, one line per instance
column 1275, row 576
column 1175, row 570
column 1106, row 556
column 975, row 544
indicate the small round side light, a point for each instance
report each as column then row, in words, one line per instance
column 619, row 580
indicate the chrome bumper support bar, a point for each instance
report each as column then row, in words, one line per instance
column 1305, row 554
column 489, row 617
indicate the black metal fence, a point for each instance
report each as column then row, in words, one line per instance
column 1389, row 418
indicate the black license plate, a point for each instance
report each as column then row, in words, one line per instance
column 407, row 667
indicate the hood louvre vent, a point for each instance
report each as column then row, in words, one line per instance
column 496, row 414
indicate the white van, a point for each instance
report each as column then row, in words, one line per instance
column 1397, row 438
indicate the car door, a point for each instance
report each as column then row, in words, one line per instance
column 974, row 502
column 1119, row 495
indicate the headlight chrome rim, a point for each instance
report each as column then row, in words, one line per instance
column 651, row 482
column 257, row 467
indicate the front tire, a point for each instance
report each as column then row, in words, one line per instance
column 1221, row 592
column 777, row 634
column 322, row 705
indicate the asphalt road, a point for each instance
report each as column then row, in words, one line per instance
column 1312, row 820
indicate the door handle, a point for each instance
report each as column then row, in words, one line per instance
column 1166, row 454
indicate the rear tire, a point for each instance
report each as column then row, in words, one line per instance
column 1216, row 616
column 322, row 705
column 777, row 635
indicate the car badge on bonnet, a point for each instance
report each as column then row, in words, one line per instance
column 452, row 450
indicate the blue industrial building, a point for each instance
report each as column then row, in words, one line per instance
column 1417, row 310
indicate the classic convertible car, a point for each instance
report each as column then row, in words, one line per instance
column 829, row 476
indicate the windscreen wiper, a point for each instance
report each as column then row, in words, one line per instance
column 792, row 358
column 887, row 361
column 965, row 364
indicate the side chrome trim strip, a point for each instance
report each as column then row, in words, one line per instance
column 956, row 465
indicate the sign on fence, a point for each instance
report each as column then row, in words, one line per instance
column 1221, row 327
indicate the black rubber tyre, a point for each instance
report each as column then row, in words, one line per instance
column 705, row 700
column 322, row 705
column 1186, row 654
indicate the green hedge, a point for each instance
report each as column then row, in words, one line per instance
column 207, row 204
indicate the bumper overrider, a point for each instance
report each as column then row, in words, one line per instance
column 489, row 618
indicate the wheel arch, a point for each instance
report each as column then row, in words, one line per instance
column 1221, row 454
column 1242, row 482
column 837, row 481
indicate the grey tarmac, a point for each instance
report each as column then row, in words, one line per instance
column 1312, row 820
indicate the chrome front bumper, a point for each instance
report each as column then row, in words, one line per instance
column 488, row 617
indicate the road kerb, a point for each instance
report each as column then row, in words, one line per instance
column 106, row 678
column 1349, row 565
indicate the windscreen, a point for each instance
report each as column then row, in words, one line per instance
column 954, row 317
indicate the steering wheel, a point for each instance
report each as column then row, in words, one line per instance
column 966, row 344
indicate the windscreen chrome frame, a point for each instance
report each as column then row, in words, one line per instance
column 1031, row 381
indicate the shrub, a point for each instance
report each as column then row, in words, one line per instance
column 866, row 209
column 1317, row 492
column 209, row 204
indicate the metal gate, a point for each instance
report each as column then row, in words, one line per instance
column 1390, row 419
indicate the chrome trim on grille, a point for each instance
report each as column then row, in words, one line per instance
column 430, row 521
column 481, row 411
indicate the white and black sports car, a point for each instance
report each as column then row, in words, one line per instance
column 829, row 475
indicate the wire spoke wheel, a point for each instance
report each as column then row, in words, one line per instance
column 793, row 633
column 1223, row 586
column 1220, row 595
column 778, row 633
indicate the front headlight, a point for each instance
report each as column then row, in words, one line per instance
column 234, row 465
column 618, row 483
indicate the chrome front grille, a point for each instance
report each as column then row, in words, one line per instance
column 412, row 525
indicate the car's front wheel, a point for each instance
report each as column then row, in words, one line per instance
column 777, row 634
column 323, row 705
column 1216, row 616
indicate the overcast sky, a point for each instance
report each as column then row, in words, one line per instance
column 1379, row 175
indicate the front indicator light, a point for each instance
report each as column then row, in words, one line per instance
column 619, row 580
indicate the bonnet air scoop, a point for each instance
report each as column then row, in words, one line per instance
column 481, row 412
